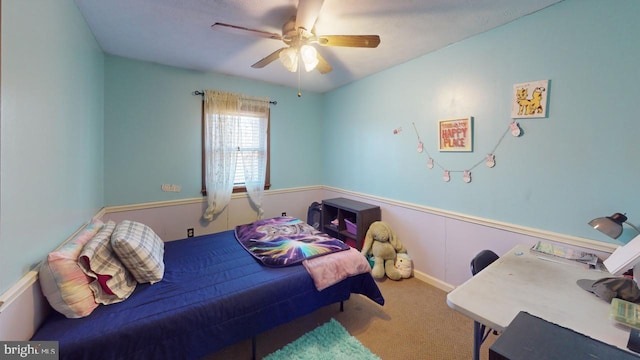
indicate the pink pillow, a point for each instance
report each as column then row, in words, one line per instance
column 63, row 283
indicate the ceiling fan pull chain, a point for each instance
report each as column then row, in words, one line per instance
column 299, row 61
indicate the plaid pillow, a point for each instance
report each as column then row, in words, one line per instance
column 62, row 281
column 140, row 250
column 112, row 282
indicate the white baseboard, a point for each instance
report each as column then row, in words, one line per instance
column 433, row 281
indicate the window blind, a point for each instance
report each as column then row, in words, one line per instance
column 249, row 147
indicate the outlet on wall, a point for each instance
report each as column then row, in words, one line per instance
column 170, row 188
column 284, row 213
column 190, row 232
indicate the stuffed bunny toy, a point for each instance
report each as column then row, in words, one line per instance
column 382, row 242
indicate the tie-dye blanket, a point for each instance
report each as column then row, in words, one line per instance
column 284, row 241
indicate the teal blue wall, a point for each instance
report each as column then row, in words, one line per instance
column 81, row 130
column 52, row 130
column 579, row 163
column 153, row 127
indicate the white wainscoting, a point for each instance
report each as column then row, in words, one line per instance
column 440, row 243
column 171, row 219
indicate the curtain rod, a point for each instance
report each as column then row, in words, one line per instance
column 199, row 92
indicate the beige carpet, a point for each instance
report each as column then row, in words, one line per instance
column 414, row 324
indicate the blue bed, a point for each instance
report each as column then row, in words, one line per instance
column 213, row 294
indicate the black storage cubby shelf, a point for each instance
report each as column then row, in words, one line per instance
column 362, row 215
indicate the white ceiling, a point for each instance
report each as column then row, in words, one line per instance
column 179, row 33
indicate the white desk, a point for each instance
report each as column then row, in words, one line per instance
column 521, row 281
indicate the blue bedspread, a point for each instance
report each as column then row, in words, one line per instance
column 213, row 294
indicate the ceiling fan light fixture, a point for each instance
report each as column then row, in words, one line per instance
column 289, row 58
column 309, row 56
column 298, row 33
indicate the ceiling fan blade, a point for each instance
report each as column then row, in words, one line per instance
column 241, row 30
column 323, row 66
column 307, row 13
column 268, row 59
column 366, row 41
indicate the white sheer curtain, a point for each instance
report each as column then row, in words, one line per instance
column 222, row 135
column 255, row 160
column 228, row 119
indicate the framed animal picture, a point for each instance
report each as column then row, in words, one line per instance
column 530, row 100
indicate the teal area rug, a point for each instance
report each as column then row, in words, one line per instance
column 330, row 341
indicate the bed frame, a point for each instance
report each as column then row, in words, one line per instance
column 213, row 294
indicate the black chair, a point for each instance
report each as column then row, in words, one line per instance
column 480, row 331
column 482, row 260
column 314, row 215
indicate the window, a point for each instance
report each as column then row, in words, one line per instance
column 248, row 151
column 234, row 127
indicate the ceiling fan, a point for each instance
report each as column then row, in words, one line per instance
column 299, row 35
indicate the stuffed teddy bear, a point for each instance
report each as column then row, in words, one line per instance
column 404, row 265
column 382, row 242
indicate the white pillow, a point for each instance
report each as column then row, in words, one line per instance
column 140, row 250
column 112, row 282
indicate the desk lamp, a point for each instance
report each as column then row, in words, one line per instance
column 625, row 256
column 611, row 225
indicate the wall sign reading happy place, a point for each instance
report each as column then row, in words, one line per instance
column 455, row 134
